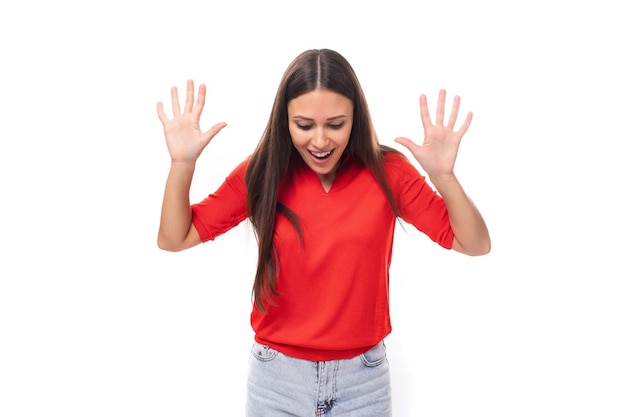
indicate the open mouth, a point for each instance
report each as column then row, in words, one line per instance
column 321, row 155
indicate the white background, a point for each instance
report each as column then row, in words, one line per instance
column 96, row 321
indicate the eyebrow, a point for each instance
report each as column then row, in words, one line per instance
column 330, row 119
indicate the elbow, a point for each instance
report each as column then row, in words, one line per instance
column 166, row 245
column 483, row 249
column 476, row 248
column 475, row 252
column 175, row 242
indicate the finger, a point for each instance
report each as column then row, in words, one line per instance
column 175, row 103
column 424, row 111
column 215, row 129
column 162, row 117
column 454, row 112
column 189, row 98
column 466, row 123
column 441, row 108
column 201, row 99
column 409, row 144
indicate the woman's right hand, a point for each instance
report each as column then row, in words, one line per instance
column 185, row 141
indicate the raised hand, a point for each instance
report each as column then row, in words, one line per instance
column 437, row 154
column 185, row 141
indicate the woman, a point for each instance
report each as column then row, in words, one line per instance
column 323, row 197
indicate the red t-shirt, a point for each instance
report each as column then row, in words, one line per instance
column 334, row 285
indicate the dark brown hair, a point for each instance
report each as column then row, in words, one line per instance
column 271, row 160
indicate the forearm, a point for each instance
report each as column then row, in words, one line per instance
column 175, row 222
column 470, row 231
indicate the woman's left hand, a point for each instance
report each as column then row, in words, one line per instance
column 437, row 155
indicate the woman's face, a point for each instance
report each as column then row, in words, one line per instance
column 320, row 123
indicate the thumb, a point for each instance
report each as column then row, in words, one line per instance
column 409, row 144
column 214, row 130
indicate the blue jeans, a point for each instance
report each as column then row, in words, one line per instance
column 281, row 386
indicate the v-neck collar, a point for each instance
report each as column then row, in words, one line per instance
column 345, row 174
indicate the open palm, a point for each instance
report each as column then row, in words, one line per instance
column 185, row 141
column 437, row 154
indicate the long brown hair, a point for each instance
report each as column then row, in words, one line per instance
column 313, row 69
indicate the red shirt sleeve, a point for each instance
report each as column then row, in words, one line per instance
column 419, row 204
column 223, row 209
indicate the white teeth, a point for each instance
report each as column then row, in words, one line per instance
column 320, row 154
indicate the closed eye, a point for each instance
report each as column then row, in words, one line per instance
column 304, row 127
column 336, row 126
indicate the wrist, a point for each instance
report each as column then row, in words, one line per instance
column 183, row 166
column 443, row 179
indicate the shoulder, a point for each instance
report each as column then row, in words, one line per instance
column 237, row 177
column 240, row 169
column 391, row 156
column 398, row 164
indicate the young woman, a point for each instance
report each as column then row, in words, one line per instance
column 323, row 196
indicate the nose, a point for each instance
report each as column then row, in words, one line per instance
column 319, row 139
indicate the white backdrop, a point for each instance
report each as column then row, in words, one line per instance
column 96, row 321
